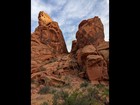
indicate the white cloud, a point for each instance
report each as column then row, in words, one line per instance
column 78, row 8
column 69, row 13
column 107, row 1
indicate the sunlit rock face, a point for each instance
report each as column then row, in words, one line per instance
column 91, row 50
column 89, row 56
column 44, row 18
column 46, row 41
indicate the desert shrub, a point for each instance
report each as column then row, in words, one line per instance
column 44, row 90
column 67, row 85
column 56, row 98
column 52, row 60
column 41, row 68
column 100, row 86
column 79, row 98
column 84, row 84
column 32, row 81
column 44, row 103
column 53, row 91
column 47, row 80
column 64, row 94
column 106, row 92
column 59, row 67
column 75, row 98
column 89, row 97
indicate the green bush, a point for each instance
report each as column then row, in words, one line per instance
column 106, row 92
column 64, row 94
column 100, row 86
column 56, row 97
column 84, row 84
column 44, row 103
column 53, row 91
column 32, row 81
column 93, row 96
column 44, row 90
column 75, row 98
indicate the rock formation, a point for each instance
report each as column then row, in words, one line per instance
column 52, row 65
column 44, row 18
column 90, row 31
column 91, row 50
column 46, row 42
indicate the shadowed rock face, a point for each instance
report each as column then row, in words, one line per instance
column 93, row 63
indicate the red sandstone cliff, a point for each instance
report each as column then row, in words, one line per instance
column 91, row 50
column 46, row 41
column 52, row 65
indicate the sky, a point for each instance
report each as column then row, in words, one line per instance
column 69, row 14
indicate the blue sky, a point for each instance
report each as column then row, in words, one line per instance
column 69, row 13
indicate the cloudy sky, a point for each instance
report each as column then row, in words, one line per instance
column 69, row 13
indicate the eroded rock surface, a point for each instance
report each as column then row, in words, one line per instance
column 46, row 41
column 91, row 50
column 51, row 63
